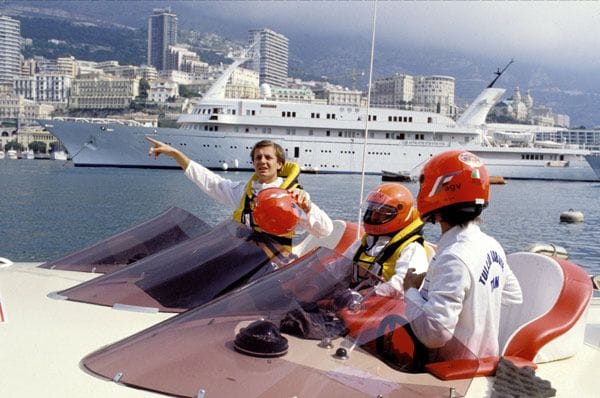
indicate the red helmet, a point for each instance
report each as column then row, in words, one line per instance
column 276, row 212
column 451, row 178
column 389, row 209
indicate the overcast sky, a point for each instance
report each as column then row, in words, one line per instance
column 559, row 32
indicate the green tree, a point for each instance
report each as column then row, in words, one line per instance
column 13, row 145
column 144, row 86
column 186, row 92
column 38, row 146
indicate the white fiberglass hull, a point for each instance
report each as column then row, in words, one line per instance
column 125, row 146
column 43, row 339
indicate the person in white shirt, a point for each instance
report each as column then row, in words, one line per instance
column 270, row 170
column 393, row 242
column 456, row 312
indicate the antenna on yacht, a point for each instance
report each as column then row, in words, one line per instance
column 362, row 174
column 499, row 73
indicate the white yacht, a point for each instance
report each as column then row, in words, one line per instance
column 11, row 154
column 58, row 155
column 219, row 132
column 28, row 154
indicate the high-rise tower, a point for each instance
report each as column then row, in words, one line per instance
column 270, row 56
column 162, row 33
column 10, row 49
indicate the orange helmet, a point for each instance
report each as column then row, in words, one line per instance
column 453, row 178
column 389, row 209
column 276, row 212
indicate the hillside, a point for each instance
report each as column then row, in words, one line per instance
column 116, row 30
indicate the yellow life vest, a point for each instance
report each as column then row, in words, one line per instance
column 243, row 214
column 390, row 253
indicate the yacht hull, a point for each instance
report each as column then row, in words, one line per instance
column 113, row 145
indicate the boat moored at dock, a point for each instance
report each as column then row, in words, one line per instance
column 219, row 132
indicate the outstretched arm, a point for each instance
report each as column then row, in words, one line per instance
column 162, row 148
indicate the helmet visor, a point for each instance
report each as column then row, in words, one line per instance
column 379, row 213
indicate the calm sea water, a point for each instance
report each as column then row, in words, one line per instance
column 50, row 208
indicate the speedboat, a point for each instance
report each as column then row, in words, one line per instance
column 28, row 154
column 299, row 330
column 46, row 323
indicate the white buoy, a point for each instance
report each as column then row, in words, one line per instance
column 236, row 163
column 224, row 166
column 571, row 216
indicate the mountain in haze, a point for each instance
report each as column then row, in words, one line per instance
column 117, row 30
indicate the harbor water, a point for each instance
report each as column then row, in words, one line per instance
column 50, row 208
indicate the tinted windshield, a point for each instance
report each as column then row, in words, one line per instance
column 171, row 227
column 185, row 275
column 310, row 304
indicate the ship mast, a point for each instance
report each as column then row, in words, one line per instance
column 499, row 73
column 217, row 90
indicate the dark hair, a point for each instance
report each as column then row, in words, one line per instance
column 460, row 213
column 279, row 152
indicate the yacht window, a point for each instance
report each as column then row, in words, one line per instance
column 328, row 133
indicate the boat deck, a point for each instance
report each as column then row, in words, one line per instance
column 44, row 339
column 40, row 335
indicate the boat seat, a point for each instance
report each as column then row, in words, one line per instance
column 340, row 239
column 550, row 323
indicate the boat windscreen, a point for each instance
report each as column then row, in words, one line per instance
column 169, row 228
column 290, row 333
column 186, row 275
